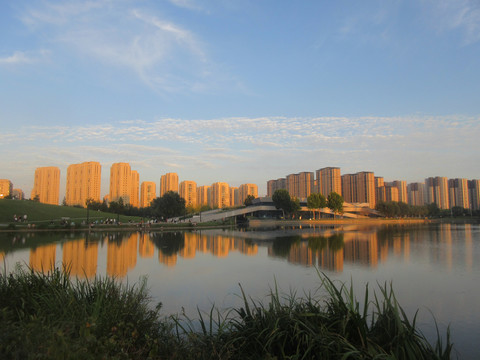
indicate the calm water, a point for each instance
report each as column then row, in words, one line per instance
column 433, row 268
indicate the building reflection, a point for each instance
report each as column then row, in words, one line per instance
column 326, row 248
column 42, row 258
column 146, row 248
column 121, row 255
column 80, row 257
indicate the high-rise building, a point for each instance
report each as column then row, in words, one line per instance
column 458, row 193
column 416, row 194
column 188, row 191
column 359, row 188
column 168, row 182
column 402, row 189
column 436, row 191
column 148, row 192
column 247, row 189
column 123, row 184
column 83, row 182
column 6, row 188
column 220, row 195
column 234, row 196
column 300, row 185
column 329, row 180
column 474, row 194
column 274, row 185
column 134, row 188
column 203, row 195
column 380, row 194
column 46, row 185
column 391, row 193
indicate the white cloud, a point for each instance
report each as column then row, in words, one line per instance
column 21, row 57
column 165, row 56
column 457, row 14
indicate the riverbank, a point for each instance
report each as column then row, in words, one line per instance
column 52, row 316
column 274, row 222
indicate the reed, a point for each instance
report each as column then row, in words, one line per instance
column 48, row 316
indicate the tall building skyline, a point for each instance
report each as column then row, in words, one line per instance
column 46, row 185
column 83, row 182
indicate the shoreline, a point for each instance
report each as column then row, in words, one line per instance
column 253, row 223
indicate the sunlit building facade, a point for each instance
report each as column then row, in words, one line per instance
column 46, row 185
column 83, row 182
column 188, row 191
column 6, row 188
column 203, row 195
column 328, row 180
column 458, row 193
column 359, row 188
column 123, row 184
column 168, row 182
column 436, row 191
column 148, row 192
column 220, row 195
column 234, row 196
column 135, row 189
column 300, row 185
column 416, row 194
column 247, row 189
column 380, row 194
column 402, row 189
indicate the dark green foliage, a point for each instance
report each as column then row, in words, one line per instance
column 48, row 316
column 168, row 206
column 316, row 201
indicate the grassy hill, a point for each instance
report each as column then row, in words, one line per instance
column 37, row 212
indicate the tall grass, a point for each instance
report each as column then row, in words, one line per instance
column 45, row 316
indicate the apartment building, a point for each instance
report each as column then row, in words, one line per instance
column 188, row 191
column 148, row 192
column 46, row 185
column 328, row 180
column 436, row 191
column 168, row 182
column 83, row 183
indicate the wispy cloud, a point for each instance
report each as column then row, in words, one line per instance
column 166, row 56
column 21, row 57
column 463, row 15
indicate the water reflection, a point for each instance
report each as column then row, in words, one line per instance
column 326, row 248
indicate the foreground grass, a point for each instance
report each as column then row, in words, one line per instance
column 50, row 316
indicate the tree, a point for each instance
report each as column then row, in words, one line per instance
column 169, row 205
column 281, row 199
column 316, row 201
column 248, row 200
column 335, row 203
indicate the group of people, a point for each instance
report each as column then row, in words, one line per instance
column 20, row 218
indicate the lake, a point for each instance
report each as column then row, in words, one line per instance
column 434, row 268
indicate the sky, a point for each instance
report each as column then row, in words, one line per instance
column 240, row 91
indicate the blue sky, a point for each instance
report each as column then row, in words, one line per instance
column 241, row 90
